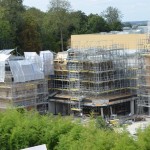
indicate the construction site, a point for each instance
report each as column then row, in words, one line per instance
column 103, row 77
column 103, row 80
column 100, row 80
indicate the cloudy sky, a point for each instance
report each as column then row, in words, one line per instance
column 132, row 10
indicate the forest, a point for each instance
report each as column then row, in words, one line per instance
column 30, row 29
column 21, row 129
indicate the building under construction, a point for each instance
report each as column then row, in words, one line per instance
column 101, row 80
column 144, row 77
column 24, row 80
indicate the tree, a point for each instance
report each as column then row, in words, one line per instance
column 96, row 24
column 59, row 11
column 50, row 34
column 13, row 14
column 113, row 17
column 80, row 20
column 6, row 39
column 30, row 37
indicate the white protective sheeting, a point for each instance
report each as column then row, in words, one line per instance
column 6, row 51
column 16, row 71
column 25, row 70
column 40, row 147
column 3, row 58
column 2, row 71
column 34, row 57
column 47, row 62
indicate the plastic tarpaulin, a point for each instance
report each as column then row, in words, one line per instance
column 16, row 71
column 2, row 71
column 6, row 51
column 34, row 57
column 47, row 62
column 40, row 147
column 3, row 58
column 24, row 70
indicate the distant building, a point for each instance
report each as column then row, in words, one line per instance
column 129, row 40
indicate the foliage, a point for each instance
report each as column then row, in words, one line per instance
column 22, row 129
column 96, row 24
column 113, row 17
column 143, row 139
column 30, row 29
column 101, row 123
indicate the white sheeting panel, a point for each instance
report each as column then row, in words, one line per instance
column 34, row 57
column 24, row 70
column 6, row 51
column 38, row 74
column 2, row 71
column 16, row 71
column 40, row 147
column 3, row 58
column 27, row 69
column 47, row 61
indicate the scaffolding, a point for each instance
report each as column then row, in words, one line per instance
column 24, row 81
column 144, row 76
column 96, row 76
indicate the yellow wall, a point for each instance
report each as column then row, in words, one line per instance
column 129, row 41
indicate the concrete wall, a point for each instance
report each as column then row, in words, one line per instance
column 94, row 40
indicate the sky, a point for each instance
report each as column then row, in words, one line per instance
column 132, row 10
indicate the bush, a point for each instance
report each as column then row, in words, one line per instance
column 22, row 129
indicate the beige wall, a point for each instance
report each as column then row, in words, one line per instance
column 94, row 40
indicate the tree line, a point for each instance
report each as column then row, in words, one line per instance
column 30, row 29
column 20, row 129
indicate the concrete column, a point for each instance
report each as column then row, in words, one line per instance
column 102, row 113
column 132, row 107
column 51, row 107
column 111, row 112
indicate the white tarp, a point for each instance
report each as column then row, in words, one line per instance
column 2, row 71
column 47, row 62
column 16, row 71
column 34, row 57
column 6, row 51
column 3, row 58
column 40, row 147
column 25, row 70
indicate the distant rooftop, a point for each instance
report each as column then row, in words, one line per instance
column 135, row 29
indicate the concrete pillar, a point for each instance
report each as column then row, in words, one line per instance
column 102, row 113
column 51, row 107
column 111, row 112
column 132, row 107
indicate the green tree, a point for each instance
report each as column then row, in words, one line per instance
column 59, row 11
column 50, row 36
column 81, row 20
column 30, row 37
column 6, row 40
column 113, row 17
column 13, row 14
column 96, row 24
